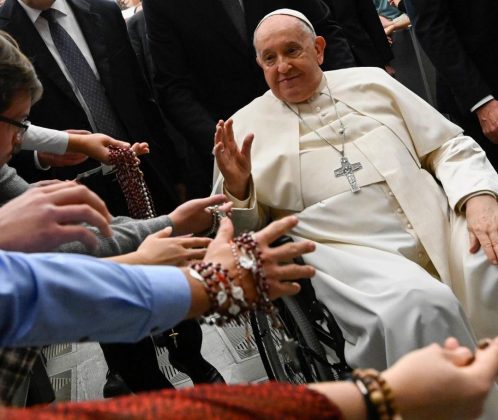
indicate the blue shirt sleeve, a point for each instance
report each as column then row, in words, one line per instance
column 54, row 298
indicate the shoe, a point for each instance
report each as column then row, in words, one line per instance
column 115, row 386
column 209, row 376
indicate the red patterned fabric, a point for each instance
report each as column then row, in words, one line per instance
column 205, row 402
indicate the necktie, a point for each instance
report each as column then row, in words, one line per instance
column 87, row 83
column 236, row 13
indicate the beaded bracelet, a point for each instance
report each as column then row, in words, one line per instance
column 250, row 259
column 132, row 183
column 221, row 289
column 377, row 393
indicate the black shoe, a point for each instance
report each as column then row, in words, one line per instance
column 200, row 372
column 115, row 386
column 209, row 376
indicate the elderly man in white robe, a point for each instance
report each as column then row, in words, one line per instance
column 400, row 203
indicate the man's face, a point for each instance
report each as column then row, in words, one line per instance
column 9, row 133
column 289, row 57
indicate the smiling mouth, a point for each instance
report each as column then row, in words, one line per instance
column 288, row 79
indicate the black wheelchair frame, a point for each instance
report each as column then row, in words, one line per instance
column 309, row 347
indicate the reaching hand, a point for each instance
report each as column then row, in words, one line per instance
column 45, row 217
column 488, row 118
column 97, row 145
column 67, row 159
column 482, row 223
column 279, row 276
column 234, row 164
column 194, row 215
column 159, row 249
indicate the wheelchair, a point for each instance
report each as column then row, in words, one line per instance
column 309, row 346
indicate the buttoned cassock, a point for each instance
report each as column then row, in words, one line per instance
column 385, row 302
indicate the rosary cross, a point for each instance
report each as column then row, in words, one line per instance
column 348, row 169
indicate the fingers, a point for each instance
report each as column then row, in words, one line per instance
column 140, row 148
column 451, row 343
column 291, row 250
column 70, row 233
column 164, row 233
column 474, row 243
column 486, row 363
column 211, row 201
column 83, row 213
column 117, row 143
column 225, row 231
column 291, row 272
column 489, row 247
column 46, row 182
column 78, row 194
column 283, row 289
column 459, row 356
column 276, row 229
column 246, row 146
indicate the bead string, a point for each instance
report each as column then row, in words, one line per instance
column 250, row 259
column 377, row 393
column 221, row 289
column 132, row 183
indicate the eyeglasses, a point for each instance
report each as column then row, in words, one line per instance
column 21, row 125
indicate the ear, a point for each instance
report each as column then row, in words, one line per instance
column 320, row 44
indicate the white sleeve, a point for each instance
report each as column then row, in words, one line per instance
column 45, row 140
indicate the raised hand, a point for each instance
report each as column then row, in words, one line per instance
column 194, row 215
column 234, row 164
column 97, row 145
column 45, row 217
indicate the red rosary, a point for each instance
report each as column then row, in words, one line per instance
column 132, row 183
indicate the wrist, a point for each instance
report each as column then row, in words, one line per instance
column 240, row 190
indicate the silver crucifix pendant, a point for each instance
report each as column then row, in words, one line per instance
column 348, row 169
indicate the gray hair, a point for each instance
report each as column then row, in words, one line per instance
column 17, row 74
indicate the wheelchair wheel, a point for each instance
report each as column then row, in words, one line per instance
column 292, row 354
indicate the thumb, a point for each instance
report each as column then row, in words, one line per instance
column 164, row 233
column 225, row 232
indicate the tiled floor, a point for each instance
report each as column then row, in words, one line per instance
column 77, row 371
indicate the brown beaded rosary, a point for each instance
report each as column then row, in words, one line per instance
column 132, row 183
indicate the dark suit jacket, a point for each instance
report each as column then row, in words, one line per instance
column 105, row 32
column 362, row 28
column 460, row 38
column 206, row 71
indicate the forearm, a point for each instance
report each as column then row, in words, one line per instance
column 128, row 234
column 463, row 169
column 344, row 395
column 54, row 298
column 45, row 140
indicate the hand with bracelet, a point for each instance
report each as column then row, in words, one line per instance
column 278, row 278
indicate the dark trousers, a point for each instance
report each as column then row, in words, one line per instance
column 137, row 362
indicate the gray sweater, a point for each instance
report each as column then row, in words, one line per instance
column 128, row 233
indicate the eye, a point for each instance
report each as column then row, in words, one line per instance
column 294, row 51
column 269, row 59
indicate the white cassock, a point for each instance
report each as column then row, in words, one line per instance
column 380, row 252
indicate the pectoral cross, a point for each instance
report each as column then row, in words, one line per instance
column 348, row 169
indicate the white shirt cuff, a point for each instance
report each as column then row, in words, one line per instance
column 45, row 140
column 482, row 102
column 38, row 164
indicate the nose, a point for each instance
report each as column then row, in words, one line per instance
column 283, row 66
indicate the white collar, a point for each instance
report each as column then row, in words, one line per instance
column 60, row 5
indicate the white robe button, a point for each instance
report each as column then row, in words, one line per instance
column 399, row 210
